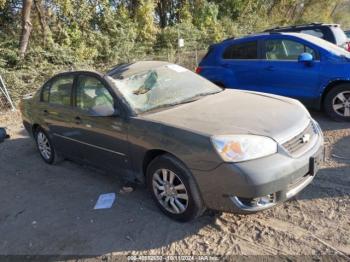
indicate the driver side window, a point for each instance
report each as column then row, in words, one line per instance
column 93, row 96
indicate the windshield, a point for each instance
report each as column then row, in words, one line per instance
column 162, row 87
column 327, row 45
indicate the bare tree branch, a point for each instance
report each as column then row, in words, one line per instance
column 26, row 27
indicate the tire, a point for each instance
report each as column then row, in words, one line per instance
column 189, row 208
column 337, row 103
column 45, row 147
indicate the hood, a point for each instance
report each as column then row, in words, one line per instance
column 238, row 112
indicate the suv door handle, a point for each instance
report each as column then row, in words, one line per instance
column 77, row 120
column 226, row 65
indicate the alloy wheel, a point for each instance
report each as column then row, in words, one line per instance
column 341, row 104
column 170, row 191
column 44, row 145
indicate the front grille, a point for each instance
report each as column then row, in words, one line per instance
column 302, row 141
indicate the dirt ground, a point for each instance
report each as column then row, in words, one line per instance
column 49, row 210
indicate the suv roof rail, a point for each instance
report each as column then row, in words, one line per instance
column 297, row 26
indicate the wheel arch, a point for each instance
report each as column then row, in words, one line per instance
column 152, row 154
column 329, row 87
column 35, row 128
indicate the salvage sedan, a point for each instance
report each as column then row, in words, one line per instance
column 193, row 144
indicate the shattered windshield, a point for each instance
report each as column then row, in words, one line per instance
column 162, row 87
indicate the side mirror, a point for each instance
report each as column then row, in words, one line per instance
column 305, row 58
column 103, row 111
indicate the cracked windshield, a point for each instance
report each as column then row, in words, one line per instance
column 162, row 87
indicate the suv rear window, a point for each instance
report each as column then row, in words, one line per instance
column 247, row 50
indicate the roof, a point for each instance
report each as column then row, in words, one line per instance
column 298, row 26
column 125, row 70
column 78, row 72
column 257, row 35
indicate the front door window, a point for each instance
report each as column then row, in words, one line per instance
column 93, row 96
column 282, row 49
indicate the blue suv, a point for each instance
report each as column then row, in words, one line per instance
column 296, row 65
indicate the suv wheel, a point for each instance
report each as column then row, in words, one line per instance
column 337, row 103
column 174, row 189
column 45, row 147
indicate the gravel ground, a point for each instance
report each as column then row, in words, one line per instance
column 49, row 210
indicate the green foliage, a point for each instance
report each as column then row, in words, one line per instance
column 144, row 20
column 98, row 33
column 230, row 8
column 2, row 3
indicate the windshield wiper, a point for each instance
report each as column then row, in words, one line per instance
column 196, row 97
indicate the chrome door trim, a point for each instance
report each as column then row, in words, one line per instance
column 84, row 143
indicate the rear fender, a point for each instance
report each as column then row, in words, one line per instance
column 219, row 75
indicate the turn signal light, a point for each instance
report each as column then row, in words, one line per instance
column 199, row 70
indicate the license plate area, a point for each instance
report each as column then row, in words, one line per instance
column 315, row 163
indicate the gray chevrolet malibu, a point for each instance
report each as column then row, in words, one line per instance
column 193, row 144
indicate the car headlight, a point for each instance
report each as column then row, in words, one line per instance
column 238, row 148
column 317, row 128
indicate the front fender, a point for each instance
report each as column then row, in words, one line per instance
column 193, row 149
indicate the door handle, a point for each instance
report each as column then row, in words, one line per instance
column 270, row 68
column 77, row 120
column 226, row 65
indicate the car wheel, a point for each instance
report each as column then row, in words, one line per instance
column 337, row 103
column 45, row 147
column 174, row 189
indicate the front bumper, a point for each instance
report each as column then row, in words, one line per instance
column 229, row 187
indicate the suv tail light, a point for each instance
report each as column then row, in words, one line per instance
column 199, row 69
column 346, row 46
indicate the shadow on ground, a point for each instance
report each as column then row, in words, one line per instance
column 49, row 209
column 341, row 151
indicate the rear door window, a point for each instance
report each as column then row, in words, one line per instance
column 245, row 51
column 60, row 91
column 45, row 93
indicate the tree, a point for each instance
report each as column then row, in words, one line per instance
column 144, row 19
column 26, row 27
column 2, row 3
